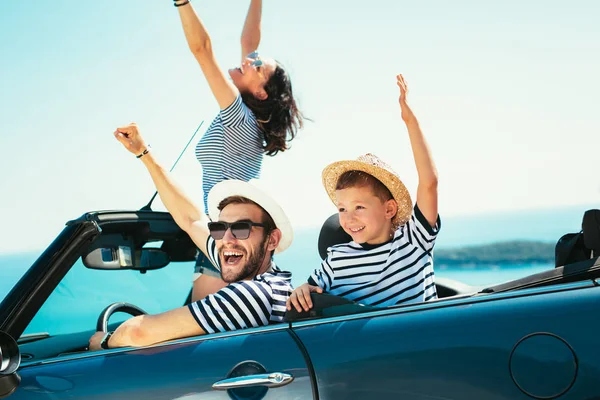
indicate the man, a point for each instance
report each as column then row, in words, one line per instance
column 248, row 228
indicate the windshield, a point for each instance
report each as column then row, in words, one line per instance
column 13, row 266
column 78, row 300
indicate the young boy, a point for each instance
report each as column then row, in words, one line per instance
column 389, row 260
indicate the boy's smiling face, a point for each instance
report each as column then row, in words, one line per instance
column 365, row 216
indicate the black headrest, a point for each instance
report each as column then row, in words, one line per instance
column 331, row 234
column 570, row 249
column 591, row 230
column 574, row 247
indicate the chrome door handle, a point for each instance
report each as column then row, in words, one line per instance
column 272, row 380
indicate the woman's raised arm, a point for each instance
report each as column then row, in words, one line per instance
column 200, row 44
column 252, row 28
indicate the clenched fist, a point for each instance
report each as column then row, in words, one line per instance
column 130, row 137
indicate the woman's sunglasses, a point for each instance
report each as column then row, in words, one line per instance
column 239, row 230
column 257, row 61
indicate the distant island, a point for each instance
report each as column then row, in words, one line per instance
column 501, row 253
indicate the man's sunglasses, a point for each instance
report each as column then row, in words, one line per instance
column 239, row 230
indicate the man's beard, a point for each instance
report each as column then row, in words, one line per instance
column 252, row 265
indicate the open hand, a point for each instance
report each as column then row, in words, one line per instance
column 402, row 85
column 300, row 297
column 406, row 111
column 130, row 137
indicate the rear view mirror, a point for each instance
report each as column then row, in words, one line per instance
column 116, row 252
column 120, row 257
column 153, row 259
column 123, row 257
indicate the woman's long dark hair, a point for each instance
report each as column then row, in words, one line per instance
column 278, row 115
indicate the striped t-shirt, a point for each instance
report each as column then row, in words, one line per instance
column 396, row 272
column 231, row 148
column 244, row 304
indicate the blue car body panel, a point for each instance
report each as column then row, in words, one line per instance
column 463, row 349
column 184, row 369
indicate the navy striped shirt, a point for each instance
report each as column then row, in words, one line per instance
column 243, row 304
column 396, row 272
column 231, row 148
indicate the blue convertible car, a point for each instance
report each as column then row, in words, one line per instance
column 536, row 337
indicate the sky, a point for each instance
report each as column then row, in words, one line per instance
column 506, row 94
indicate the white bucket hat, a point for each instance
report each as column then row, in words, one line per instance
column 249, row 190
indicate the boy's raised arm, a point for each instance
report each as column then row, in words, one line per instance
column 427, row 190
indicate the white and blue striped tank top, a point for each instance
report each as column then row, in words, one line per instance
column 231, row 148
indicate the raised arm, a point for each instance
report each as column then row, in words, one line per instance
column 427, row 190
column 184, row 211
column 200, row 44
column 252, row 28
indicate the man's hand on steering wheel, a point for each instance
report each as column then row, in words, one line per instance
column 102, row 323
column 95, row 341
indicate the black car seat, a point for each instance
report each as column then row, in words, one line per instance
column 580, row 246
column 591, row 232
column 331, row 234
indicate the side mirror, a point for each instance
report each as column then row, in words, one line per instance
column 10, row 359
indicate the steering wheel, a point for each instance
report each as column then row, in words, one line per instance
column 102, row 324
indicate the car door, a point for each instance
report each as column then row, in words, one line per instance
column 536, row 343
column 184, row 369
column 52, row 312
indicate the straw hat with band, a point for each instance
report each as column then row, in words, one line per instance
column 372, row 165
column 229, row 188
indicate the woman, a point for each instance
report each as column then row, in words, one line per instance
column 258, row 116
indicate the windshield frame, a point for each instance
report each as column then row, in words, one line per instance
column 28, row 295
